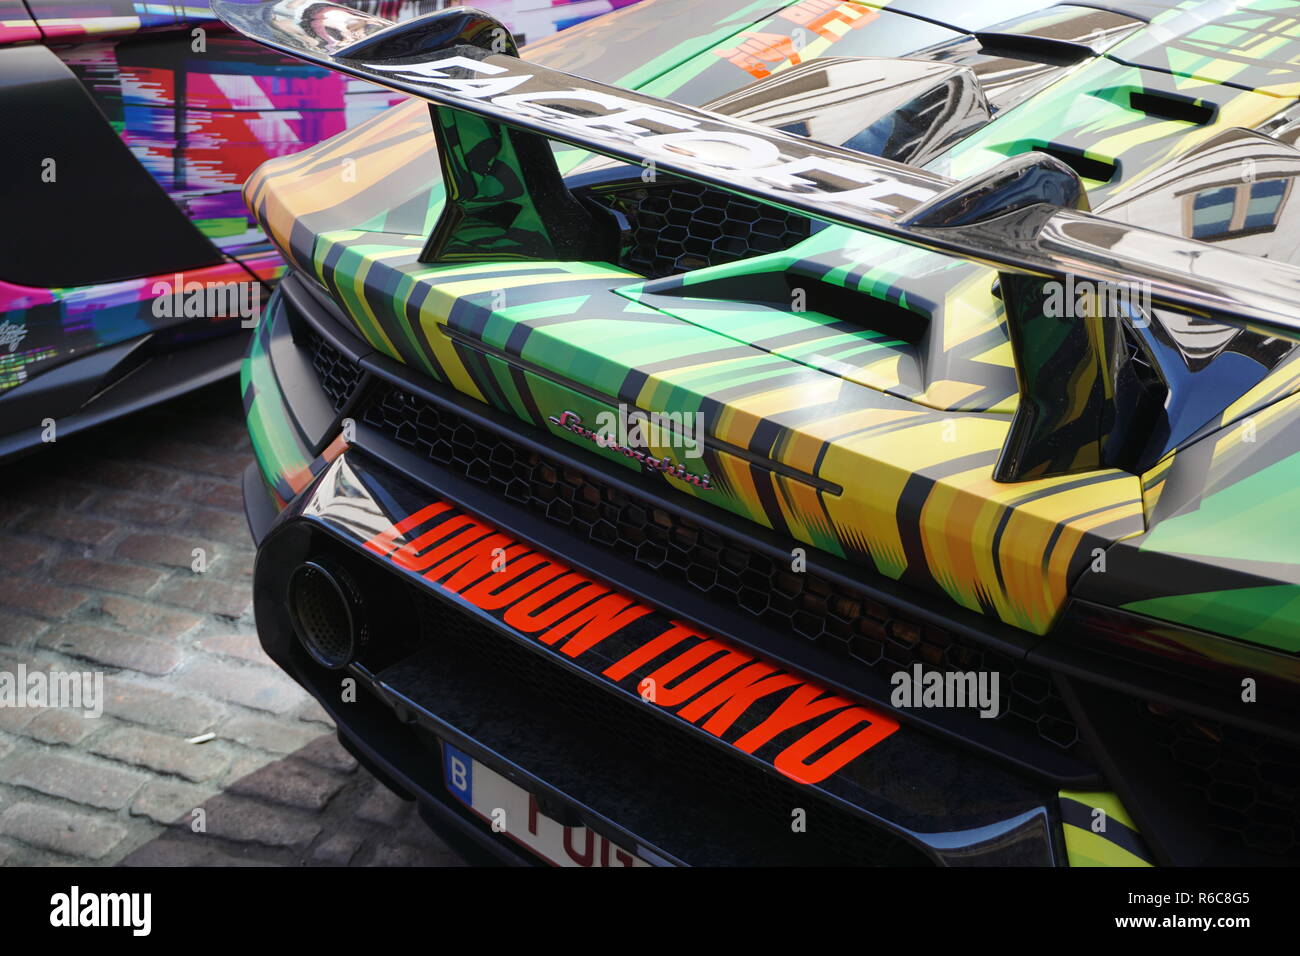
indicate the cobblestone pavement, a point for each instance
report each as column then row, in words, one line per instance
column 97, row 572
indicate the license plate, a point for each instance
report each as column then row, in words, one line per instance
column 512, row 810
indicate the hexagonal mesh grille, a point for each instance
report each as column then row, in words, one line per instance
column 676, row 227
column 727, row 570
column 339, row 376
column 843, row 838
column 1249, row 783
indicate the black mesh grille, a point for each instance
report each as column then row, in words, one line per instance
column 1248, row 783
column 676, row 227
column 843, row 838
column 727, row 570
column 338, row 375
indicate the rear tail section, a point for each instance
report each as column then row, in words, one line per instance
column 1085, row 403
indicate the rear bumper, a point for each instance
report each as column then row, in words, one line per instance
column 928, row 792
column 441, row 667
column 945, row 787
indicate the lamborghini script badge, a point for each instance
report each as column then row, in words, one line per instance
column 572, row 421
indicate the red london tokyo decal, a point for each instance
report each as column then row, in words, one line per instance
column 803, row 729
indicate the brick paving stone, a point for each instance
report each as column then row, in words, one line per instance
column 292, row 783
column 190, row 852
column 225, row 495
column 343, row 839
column 235, row 566
column 11, row 658
column 15, row 719
column 337, row 850
column 68, row 727
column 21, row 554
column 173, row 550
column 250, row 821
column 132, row 476
column 12, row 512
column 327, row 752
column 260, row 688
column 206, row 594
column 71, row 777
column 22, row 854
column 384, row 807
column 313, row 711
column 415, row 832
column 244, row 646
column 102, row 646
column 163, row 753
column 138, row 509
column 90, row 573
column 74, row 832
column 245, row 763
column 78, row 529
column 53, row 493
column 228, row 434
column 96, row 547
column 148, row 619
column 169, row 801
column 397, row 855
column 16, row 629
column 39, row 597
column 191, row 458
column 159, row 708
column 219, row 525
column 274, row 734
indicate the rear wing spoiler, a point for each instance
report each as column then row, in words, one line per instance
column 1026, row 217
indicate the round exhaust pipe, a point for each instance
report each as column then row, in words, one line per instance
column 327, row 612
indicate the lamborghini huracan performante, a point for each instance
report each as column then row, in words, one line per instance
column 797, row 432
column 130, row 265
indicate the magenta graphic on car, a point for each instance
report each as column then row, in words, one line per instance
column 151, row 251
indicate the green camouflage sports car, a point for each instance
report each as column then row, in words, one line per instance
column 769, row 432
